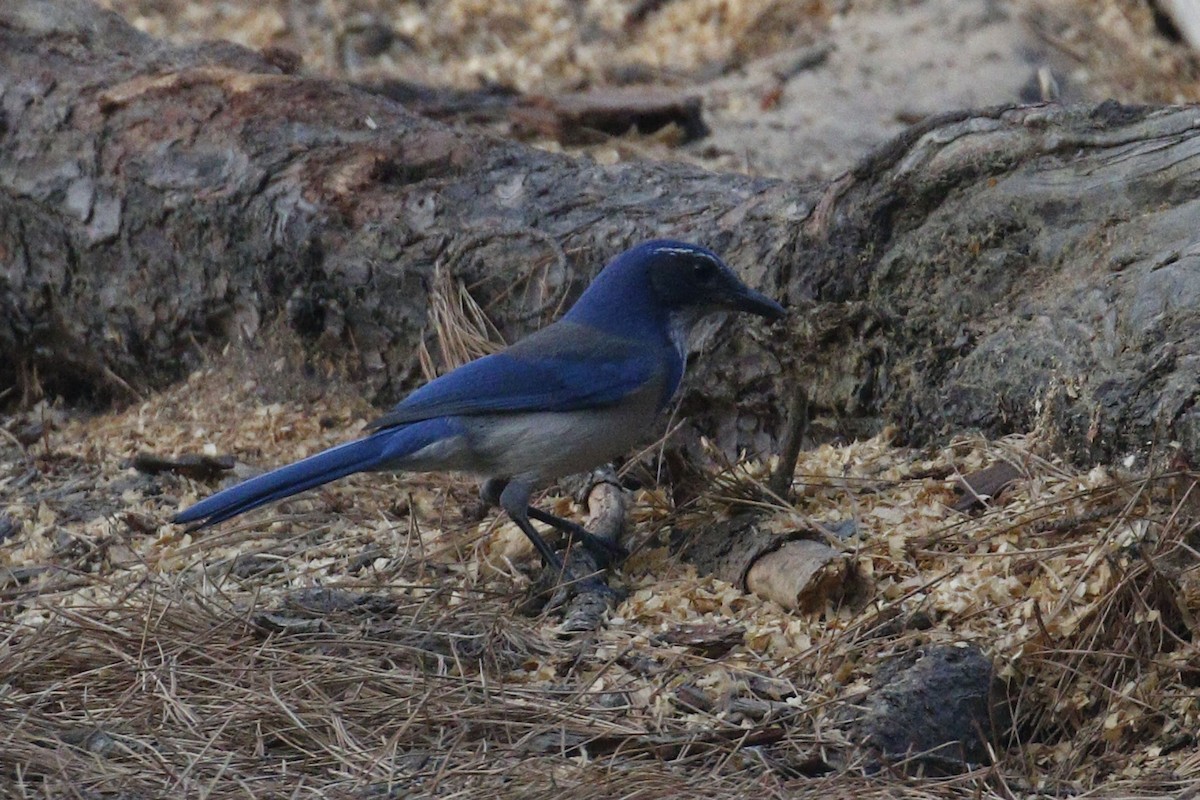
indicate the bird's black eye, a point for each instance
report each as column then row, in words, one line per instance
column 703, row 270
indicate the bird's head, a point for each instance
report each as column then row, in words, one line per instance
column 689, row 278
column 664, row 282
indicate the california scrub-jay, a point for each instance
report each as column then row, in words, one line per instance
column 563, row 400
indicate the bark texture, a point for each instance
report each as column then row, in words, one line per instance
column 1014, row 269
column 939, row 710
column 1001, row 269
column 154, row 199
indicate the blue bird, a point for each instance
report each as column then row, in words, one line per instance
column 563, row 400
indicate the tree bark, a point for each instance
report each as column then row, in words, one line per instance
column 1013, row 269
column 999, row 270
column 937, row 710
column 158, row 198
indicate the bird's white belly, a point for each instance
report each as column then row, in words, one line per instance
column 540, row 445
column 551, row 444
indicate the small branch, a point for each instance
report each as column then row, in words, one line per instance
column 780, row 482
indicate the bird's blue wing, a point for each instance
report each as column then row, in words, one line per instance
column 563, row 367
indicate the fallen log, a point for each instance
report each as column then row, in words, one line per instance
column 157, row 200
column 1014, row 269
column 1003, row 269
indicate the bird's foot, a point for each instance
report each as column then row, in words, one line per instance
column 579, row 592
column 607, row 552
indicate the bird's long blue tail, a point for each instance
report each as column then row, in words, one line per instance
column 380, row 450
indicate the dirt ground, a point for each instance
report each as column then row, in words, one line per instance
column 362, row 640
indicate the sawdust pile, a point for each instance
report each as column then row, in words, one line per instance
column 528, row 45
column 557, row 45
column 361, row 640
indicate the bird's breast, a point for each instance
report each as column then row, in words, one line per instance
column 550, row 444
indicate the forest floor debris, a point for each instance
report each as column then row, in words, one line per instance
column 361, row 638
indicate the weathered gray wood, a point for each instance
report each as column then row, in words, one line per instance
column 1001, row 269
column 1012, row 269
column 155, row 198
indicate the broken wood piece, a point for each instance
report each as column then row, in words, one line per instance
column 580, row 591
column 985, row 485
column 590, row 116
column 447, row 104
column 691, row 698
column 272, row 622
column 140, row 523
column 607, row 504
column 712, row 641
column 192, row 465
column 796, row 572
column 803, row 574
column 588, row 598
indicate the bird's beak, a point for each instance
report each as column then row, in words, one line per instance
column 753, row 302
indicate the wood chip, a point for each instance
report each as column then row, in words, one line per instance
column 194, row 466
column 589, row 117
column 985, row 485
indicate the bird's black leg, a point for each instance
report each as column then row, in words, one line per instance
column 562, row 583
column 607, row 552
column 513, row 497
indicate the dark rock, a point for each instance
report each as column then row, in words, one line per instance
column 937, row 709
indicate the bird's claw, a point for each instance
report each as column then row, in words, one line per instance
column 578, row 591
column 589, row 591
column 607, row 552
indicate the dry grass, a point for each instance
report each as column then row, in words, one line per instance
column 362, row 642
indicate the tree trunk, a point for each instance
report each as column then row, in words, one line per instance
column 157, row 198
column 1012, row 269
column 1000, row 269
